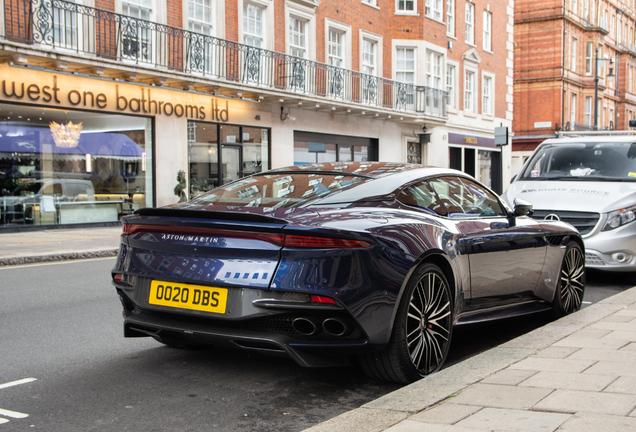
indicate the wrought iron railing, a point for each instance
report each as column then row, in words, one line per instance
column 68, row 27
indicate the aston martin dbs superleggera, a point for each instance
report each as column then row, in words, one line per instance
column 333, row 261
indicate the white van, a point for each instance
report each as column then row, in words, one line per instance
column 587, row 179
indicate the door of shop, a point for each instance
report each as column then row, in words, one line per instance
column 232, row 163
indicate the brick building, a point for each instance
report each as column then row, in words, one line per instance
column 120, row 95
column 563, row 48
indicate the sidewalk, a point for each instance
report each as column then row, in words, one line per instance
column 576, row 374
column 58, row 244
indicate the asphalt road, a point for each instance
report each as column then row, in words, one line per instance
column 60, row 324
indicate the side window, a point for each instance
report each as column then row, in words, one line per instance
column 464, row 198
column 421, row 195
column 482, row 201
column 52, row 189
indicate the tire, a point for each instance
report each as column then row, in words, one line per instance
column 571, row 286
column 421, row 334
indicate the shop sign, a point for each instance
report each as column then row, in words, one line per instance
column 142, row 103
column 460, row 139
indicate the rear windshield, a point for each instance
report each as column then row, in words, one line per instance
column 279, row 190
column 591, row 161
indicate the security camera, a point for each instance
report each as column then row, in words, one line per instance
column 291, row 117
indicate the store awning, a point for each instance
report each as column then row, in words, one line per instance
column 22, row 139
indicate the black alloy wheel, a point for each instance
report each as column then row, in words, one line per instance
column 422, row 331
column 571, row 287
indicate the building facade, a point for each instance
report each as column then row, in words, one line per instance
column 574, row 69
column 108, row 106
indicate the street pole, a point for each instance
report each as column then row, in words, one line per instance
column 596, row 90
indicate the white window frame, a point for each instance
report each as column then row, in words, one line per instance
column 434, row 67
column 150, row 41
column 487, row 31
column 575, row 6
column 586, row 10
column 452, row 87
column 589, row 58
column 488, row 99
column 434, row 10
column 410, row 103
column 345, row 32
column 308, row 16
column 404, row 11
column 470, row 91
column 373, row 3
column 254, row 35
column 61, row 28
column 267, row 17
column 589, row 115
column 469, row 18
column 450, row 18
column 192, row 20
column 376, row 40
column 573, row 103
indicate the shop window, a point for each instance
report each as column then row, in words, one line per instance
column 67, row 167
column 219, row 154
column 323, row 148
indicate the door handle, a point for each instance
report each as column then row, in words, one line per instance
column 477, row 241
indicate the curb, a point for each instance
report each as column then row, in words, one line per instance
column 63, row 256
column 397, row 406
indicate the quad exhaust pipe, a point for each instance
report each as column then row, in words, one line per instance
column 310, row 327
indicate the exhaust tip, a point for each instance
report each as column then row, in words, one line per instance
column 305, row 326
column 335, row 327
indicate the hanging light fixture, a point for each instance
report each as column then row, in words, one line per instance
column 66, row 135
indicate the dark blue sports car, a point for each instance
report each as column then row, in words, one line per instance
column 333, row 261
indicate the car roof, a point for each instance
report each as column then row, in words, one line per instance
column 383, row 178
column 592, row 138
column 366, row 169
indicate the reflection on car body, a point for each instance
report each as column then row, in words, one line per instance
column 381, row 266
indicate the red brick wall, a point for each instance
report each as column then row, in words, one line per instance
column 175, row 13
column 108, row 5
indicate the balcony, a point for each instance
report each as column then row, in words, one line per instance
column 117, row 42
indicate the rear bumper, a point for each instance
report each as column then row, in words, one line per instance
column 270, row 333
column 318, row 353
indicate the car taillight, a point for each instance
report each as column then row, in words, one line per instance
column 274, row 238
column 283, row 240
column 296, row 241
column 117, row 277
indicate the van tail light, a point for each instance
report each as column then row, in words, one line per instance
column 278, row 239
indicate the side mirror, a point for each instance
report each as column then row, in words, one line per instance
column 522, row 207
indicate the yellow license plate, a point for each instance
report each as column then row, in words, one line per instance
column 183, row 296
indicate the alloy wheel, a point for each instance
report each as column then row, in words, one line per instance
column 428, row 323
column 572, row 280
